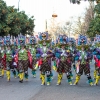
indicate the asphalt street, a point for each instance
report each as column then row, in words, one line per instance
column 32, row 89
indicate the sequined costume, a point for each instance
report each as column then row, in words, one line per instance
column 45, row 60
column 97, row 68
column 83, row 64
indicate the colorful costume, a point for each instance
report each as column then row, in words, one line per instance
column 97, row 68
column 45, row 61
column 33, row 53
column 2, row 58
column 63, row 61
column 83, row 64
column 23, row 60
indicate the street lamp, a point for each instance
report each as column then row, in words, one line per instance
column 54, row 16
column 18, row 4
column 68, row 28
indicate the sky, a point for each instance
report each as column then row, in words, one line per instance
column 43, row 9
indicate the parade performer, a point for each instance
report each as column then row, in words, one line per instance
column 51, row 48
column 15, row 62
column 83, row 64
column 15, row 50
column 45, row 60
column 23, row 60
column 2, row 58
column 33, row 53
column 97, row 66
column 63, row 62
column 71, row 47
column 9, row 57
column 95, row 53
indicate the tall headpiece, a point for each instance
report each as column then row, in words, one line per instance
column 21, row 40
column 44, row 38
column 32, row 40
column 7, row 40
column 97, row 38
column 1, row 41
column 82, row 40
column 63, row 40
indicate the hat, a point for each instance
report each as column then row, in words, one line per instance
column 1, row 41
column 44, row 39
column 21, row 40
column 7, row 40
column 32, row 40
column 62, row 40
column 82, row 40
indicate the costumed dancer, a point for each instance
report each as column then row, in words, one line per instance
column 2, row 57
column 95, row 53
column 97, row 66
column 23, row 60
column 14, row 64
column 9, row 57
column 83, row 64
column 51, row 48
column 45, row 60
column 33, row 53
column 71, row 48
column 63, row 64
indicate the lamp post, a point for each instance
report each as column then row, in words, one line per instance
column 54, row 16
column 68, row 28
column 18, row 4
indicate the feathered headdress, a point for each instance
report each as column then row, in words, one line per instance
column 97, row 38
column 1, row 41
column 62, row 40
column 32, row 40
column 82, row 40
column 44, row 38
column 7, row 40
column 21, row 40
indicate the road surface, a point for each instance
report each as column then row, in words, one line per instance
column 32, row 89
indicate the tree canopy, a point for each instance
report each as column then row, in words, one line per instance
column 94, row 24
column 79, row 1
column 14, row 22
column 94, row 27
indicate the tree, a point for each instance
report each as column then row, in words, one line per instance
column 79, row 26
column 94, row 27
column 79, row 1
column 59, row 28
column 14, row 22
column 89, row 16
column 4, row 28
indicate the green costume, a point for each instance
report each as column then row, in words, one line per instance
column 8, row 63
column 23, row 64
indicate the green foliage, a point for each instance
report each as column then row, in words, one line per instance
column 94, row 27
column 14, row 22
column 79, row 1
